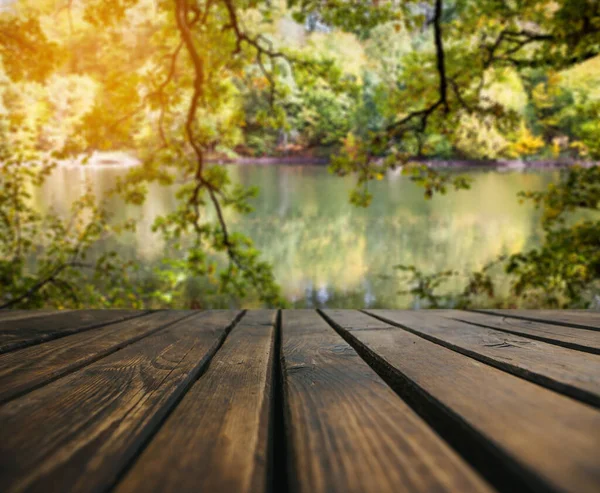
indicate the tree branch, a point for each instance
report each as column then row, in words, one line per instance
column 258, row 43
column 439, row 50
column 518, row 39
column 199, row 80
column 399, row 128
column 50, row 279
column 181, row 13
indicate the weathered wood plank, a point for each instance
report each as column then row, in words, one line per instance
column 217, row 437
column 15, row 334
column 546, row 441
column 31, row 367
column 79, row 432
column 569, row 337
column 584, row 319
column 573, row 373
column 20, row 314
column 348, row 431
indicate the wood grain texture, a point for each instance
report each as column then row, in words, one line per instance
column 23, row 332
column 584, row 319
column 78, row 433
column 348, row 431
column 31, row 367
column 549, row 441
column 570, row 372
column 6, row 315
column 217, row 438
column 569, row 337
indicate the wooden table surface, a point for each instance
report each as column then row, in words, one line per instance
column 300, row 400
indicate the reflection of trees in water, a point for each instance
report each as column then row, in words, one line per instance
column 326, row 251
column 66, row 184
column 322, row 242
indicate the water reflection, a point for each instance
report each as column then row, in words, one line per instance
column 327, row 252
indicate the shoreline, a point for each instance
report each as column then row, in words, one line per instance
column 122, row 159
column 515, row 164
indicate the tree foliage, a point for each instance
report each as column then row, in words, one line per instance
column 565, row 270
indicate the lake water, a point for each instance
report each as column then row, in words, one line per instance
column 327, row 252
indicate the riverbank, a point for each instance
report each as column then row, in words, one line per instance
column 432, row 163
